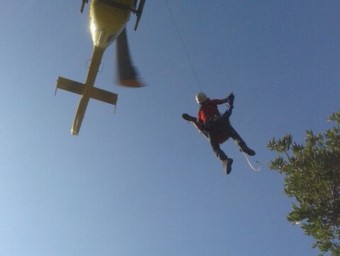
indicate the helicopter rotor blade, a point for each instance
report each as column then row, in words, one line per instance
column 127, row 74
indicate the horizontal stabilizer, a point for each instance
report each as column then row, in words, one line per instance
column 95, row 93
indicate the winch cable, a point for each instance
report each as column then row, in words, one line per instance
column 198, row 83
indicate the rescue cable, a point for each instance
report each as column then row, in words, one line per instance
column 258, row 168
column 183, row 45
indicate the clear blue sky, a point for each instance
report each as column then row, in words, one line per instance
column 141, row 181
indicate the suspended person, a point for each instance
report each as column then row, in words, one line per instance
column 216, row 126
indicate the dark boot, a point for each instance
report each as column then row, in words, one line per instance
column 188, row 117
column 227, row 165
column 244, row 148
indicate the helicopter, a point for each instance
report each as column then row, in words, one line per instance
column 107, row 21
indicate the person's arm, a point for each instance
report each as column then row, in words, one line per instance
column 220, row 102
column 229, row 100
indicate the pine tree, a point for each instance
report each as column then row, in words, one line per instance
column 312, row 177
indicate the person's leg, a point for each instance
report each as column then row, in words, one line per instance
column 217, row 150
column 240, row 142
column 227, row 162
column 199, row 126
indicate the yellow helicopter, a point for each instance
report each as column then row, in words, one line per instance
column 107, row 20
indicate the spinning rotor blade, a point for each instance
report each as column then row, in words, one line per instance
column 127, row 74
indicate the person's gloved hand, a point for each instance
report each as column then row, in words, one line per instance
column 230, row 101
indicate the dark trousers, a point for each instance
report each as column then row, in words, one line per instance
column 221, row 127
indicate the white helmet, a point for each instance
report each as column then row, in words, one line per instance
column 201, row 97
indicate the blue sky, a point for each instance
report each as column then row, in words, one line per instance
column 141, row 181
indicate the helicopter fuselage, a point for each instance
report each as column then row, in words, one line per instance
column 107, row 20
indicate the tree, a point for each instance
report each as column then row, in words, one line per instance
column 312, row 177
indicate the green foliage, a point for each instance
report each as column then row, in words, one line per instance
column 312, row 177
